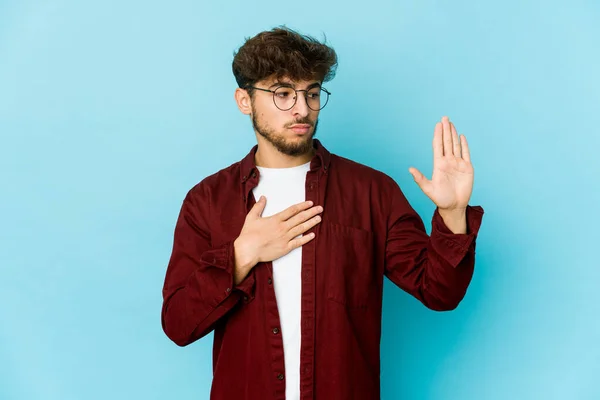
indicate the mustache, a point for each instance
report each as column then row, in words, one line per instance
column 301, row 121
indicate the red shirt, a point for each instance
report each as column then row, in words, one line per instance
column 368, row 231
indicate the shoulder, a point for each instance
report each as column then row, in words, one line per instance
column 361, row 173
column 221, row 181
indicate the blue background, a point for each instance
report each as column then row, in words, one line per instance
column 111, row 110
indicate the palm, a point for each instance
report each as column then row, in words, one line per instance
column 451, row 183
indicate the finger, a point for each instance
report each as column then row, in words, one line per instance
column 455, row 141
column 303, row 227
column 293, row 210
column 298, row 242
column 447, row 136
column 466, row 154
column 438, row 146
column 258, row 208
column 421, row 180
column 303, row 216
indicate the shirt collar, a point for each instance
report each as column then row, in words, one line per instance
column 320, row 160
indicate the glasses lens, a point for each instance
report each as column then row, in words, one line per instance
column 313, row 98
column 284, row 98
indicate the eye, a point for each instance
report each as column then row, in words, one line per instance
column 284, row 92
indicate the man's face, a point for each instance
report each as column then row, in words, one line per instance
column 290, row 131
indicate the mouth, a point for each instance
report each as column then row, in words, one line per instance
column 300, row 128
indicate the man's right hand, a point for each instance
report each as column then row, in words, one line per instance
column 267, row 239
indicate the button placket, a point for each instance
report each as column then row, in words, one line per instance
column 314, row 192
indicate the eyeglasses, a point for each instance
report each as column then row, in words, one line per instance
column 285, row 97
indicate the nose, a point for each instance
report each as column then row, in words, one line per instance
column 301, row 107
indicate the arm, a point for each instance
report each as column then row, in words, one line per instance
column 435, row 269
column 200, row 284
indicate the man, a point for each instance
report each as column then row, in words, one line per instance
column 283, row 253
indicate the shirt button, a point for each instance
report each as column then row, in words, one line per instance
column 275, row 331
column 254, row 174
column 270, row 281
column 280, row 377
column 245, row 298
column 228, row 290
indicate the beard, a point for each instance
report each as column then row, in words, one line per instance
column 295, row 148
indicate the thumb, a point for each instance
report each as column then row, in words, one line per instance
column 259, row 207
column 420, row 179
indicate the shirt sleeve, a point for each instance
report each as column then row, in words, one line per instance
column 435, row 269
column 199, row 285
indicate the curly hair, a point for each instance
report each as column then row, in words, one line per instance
column 282, row 52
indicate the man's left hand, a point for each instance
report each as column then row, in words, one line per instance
column 451, row 185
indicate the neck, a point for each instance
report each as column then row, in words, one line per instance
column 269, row 157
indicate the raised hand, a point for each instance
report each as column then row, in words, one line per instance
column 451, row 184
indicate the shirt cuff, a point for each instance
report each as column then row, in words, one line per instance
column 453, row 247
column 223, row 257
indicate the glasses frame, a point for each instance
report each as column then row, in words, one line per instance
column 296, row 95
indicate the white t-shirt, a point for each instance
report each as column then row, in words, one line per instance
column 284, row 187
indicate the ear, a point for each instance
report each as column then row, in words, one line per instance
column 242, row 98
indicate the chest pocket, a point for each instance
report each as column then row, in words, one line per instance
column 348, row 260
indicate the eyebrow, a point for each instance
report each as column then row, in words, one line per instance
column 286, row 84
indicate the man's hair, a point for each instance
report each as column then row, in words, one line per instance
column 282, row 52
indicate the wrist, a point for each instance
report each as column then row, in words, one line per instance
column 244, row 260
column 453, row 212
column 455, row 219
